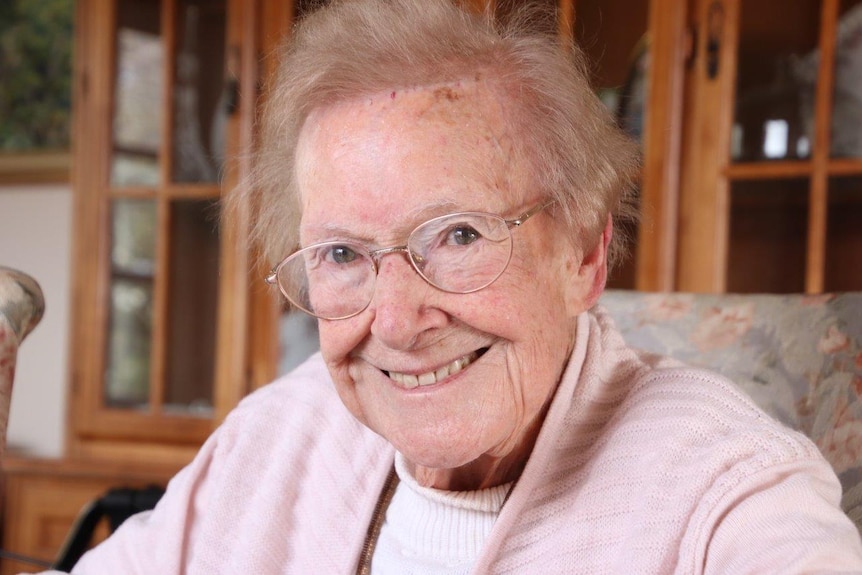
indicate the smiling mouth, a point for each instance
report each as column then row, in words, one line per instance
column 411, row 381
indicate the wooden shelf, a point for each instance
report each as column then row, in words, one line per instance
column 791, row 169
column 768, row 170
column 844, row 167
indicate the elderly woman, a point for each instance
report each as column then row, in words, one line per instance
column 441, row 194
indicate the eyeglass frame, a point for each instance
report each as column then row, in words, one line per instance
column 375, row 256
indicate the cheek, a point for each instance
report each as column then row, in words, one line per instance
column 339, row 338
column 534, row 291
column 521, row 309
column 337, row 342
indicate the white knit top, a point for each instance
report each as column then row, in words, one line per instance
column 432, row 531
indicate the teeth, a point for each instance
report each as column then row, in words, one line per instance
column 411, row 381
column 427, row 378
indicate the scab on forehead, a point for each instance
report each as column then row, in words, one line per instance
column 449, row 93
column 446, row 93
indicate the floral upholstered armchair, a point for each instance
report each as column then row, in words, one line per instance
column 799, row 357
column 21, row 308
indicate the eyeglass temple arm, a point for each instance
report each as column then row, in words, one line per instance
column 528, row 214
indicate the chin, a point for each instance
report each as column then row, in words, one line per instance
column 438, row 451
column 444, row 461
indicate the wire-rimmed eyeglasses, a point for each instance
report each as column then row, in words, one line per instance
column 459, row 253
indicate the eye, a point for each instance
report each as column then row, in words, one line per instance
column 463, row 235
column 341, row 255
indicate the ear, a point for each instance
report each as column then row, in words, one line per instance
column 592, row 273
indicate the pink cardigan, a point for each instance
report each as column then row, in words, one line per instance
column 642, row 466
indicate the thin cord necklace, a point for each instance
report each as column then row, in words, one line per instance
column 364, row 567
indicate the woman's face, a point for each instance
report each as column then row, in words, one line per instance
column 371, row 170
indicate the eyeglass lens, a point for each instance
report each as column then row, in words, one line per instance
column 457, row 253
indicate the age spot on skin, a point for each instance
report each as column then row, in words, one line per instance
column 446, row 92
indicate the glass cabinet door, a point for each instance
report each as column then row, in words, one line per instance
column 158, row 118
column 773, row 123
column 168, row 146
column 772, row 198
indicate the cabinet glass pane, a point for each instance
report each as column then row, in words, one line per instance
column 776, row 76
column 127, row 373
column 768, row 230
column 846, row 137
column 613, row 34
column 137, row 121
column 133, row 229
column 193, row 301
column 202, row 98
column 844, row 235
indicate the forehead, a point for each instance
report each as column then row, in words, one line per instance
column 465, row 114
column 403, row 152
column 475, row 105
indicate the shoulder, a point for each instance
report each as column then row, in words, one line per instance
column 701, row 409
column 676, row 404
column 669, row 420
column 701, row 419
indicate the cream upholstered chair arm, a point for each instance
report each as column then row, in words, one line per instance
column 21, row 308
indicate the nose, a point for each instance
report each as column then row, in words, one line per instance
column 403, row 304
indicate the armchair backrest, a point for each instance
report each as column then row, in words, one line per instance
column 21, row 308
column 798, row 357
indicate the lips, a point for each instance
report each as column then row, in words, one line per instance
column 411, row 381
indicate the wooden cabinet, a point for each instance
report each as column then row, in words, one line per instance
column 43, row 498
column 771, row 167
column 750, row 133
column 165, row 95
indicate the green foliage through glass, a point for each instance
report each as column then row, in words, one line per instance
column 36, row 72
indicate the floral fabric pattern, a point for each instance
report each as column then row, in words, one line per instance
column 21, row 308
column 798, row 357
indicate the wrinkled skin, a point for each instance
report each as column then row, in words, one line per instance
column 371, row 170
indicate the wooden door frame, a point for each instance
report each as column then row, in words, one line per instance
column 656, row 247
